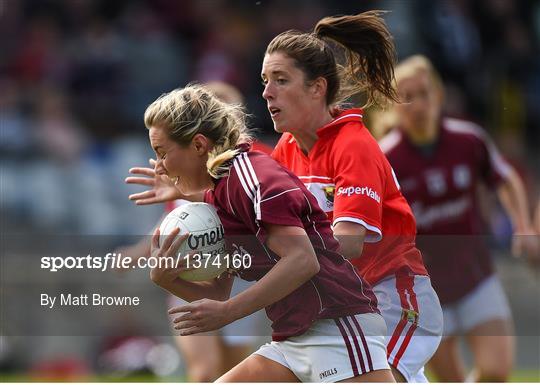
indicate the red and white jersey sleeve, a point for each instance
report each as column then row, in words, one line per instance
column 360, row 184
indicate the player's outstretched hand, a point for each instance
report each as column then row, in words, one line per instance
column 168, row 264
column 201, row 316
column 528, row 246
column 161, row 188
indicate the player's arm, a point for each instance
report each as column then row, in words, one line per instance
column 297, row 264
column 513, row 197
column 497, row 173
column 537, row 218
column 167, row 276
column 134, row 252
column 357, row 216
column 351, row 238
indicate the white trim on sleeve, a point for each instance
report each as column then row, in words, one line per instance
column 370, row 238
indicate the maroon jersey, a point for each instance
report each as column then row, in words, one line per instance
column 440, row 184
column 257, row 191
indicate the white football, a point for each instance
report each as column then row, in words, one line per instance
column 205, row 244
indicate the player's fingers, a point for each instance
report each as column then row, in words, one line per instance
column 184, row 268
column 138, row 180
column 142, row 195
column 150, row 201
column 155, row 238
column 185, row 325
column 170, row 238
column 177, row 242
column 185, row 317
column 192, row 330
column 182, row 308
column 143, row 171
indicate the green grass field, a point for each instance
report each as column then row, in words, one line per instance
column 526, row 375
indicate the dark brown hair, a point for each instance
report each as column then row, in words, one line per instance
column 354, row 53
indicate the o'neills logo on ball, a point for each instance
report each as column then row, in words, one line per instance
column 208, row 238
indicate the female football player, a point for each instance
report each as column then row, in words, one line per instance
column 440, row 163
column 326, row 326
column 210, row 356
column 305, row 82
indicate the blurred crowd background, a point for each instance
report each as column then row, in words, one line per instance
column 76, row 76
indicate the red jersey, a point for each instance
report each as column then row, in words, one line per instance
column 258, row 190
column 440, row 184
column 352, row 181
column 261, row 146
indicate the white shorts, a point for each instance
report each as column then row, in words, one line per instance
column 333, row 349
column 244, row 331
column 485, row 303
column 414, row 319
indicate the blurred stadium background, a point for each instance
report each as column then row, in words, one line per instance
column 76, row 76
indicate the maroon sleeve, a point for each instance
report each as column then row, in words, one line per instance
column 261, row 191
column 494, row 169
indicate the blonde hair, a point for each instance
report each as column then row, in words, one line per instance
column 414, row 65
column 382, row 121
column 192, row 110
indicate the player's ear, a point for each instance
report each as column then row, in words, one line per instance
column 319, row 87
column 201, row 144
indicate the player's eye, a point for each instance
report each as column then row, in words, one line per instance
column 281, row 81
column 264, row 82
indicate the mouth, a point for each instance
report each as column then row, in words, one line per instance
column 274, row 111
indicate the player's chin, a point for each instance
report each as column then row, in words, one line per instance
column 183, row 187
column 278, row 127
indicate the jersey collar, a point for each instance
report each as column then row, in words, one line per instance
column 344, row 116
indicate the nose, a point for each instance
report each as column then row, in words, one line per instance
column 268, row 92
column 419, row 106
column 159, row 168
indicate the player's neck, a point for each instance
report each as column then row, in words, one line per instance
column 424, row 137
column 306, row 136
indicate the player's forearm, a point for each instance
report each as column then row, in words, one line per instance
column 287, row 275
column 514, row 200
column 349, row 247
column 142, row 249
column 351, row 238
column 193, row 291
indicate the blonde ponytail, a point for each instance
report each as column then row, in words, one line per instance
column 195, row 110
